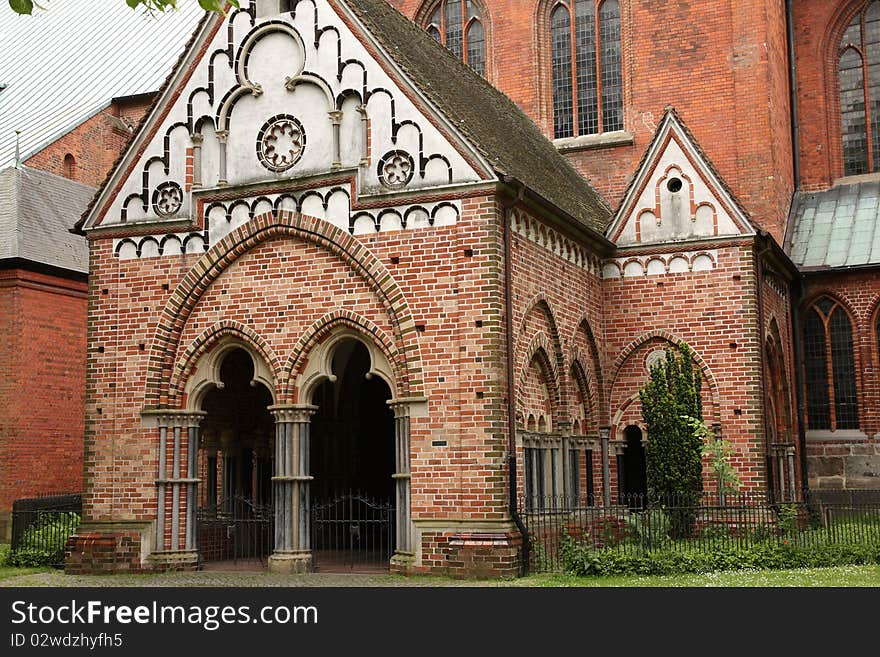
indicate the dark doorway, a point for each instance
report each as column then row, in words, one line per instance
column 235, row 466
column 352, row 463
column 634, row 488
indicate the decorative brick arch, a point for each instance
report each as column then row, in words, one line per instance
column 263, row 228
column 586, row 386
column 674, row 340
column 539, row 348
column 319, row 331
column 594, row 357
column 205, row 342
column 540, row 302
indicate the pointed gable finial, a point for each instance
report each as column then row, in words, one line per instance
column 17, row 162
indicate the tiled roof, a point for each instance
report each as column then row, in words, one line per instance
column 837, row 228
column 508, row 139
column 37, row 210
column 65, row 64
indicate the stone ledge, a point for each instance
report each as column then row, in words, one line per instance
column 591, row 142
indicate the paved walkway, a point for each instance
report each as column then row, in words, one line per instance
column 236, row 579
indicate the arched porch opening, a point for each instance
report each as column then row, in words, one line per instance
column 352, row 465
column 235, row 466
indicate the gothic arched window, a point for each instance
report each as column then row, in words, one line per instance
column 457, row 24
column 829, row 368
column 587, row 74
column 859, row 71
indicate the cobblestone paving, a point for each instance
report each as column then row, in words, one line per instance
column 236, row 579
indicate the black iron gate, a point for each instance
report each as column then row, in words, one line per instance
column 236, row 530
column 352, row 531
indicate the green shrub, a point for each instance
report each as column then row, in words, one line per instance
column 582, row 560
column 649, row 528
column 670, row 402
column 43, row 542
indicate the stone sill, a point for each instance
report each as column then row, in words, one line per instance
column 854, row 180
column 592, row 142
column 831, row 436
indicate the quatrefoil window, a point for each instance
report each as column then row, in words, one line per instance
column 167, row 199
column 396, row 169
column 281, row 142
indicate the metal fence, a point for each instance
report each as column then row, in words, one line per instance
column 687, row 524
column 42, row 525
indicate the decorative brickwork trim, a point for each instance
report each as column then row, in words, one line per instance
column 319, row 331
column 185, row 365
column 633, row 346
column 265, row 227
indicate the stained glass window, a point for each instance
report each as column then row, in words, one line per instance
column 586, row 65
column 829, row 368
column 457, row 24
column 859, row 77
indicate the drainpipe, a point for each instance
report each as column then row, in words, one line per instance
column 792, row 91
column 511, row 389
column 797, row 288
column 759, row 279
column 797, row 291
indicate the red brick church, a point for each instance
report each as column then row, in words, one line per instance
column 429, row 257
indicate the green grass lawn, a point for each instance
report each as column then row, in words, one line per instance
column 836, row 576
column 7, row 572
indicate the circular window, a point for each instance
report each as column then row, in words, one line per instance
column 674, row 185
column 396, row 169
column 167, row 199
column 281, row 142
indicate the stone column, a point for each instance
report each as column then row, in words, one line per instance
column 792, row 488
column 293, row 551
column 197, row 140
column 605, row 436
column 178, row 430
column 365, row 158
column 404, row 553
column 222, row 136
column 780, row 468
column 336, row 121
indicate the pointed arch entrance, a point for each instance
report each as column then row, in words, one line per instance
column 352, row 463
column 235, row 464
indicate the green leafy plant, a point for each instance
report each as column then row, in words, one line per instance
column 43, row 542
column 586, row 561
column 650, row 528
column 669, row 398
column 150, row 6
column 720, row 454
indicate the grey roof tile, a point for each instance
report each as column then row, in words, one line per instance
column 837, row 227
column 37, row 210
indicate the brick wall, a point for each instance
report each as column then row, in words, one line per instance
column 723, row 65
column 849, row 463
column 446, row 277
column 42, row 388
column 95, row 144
column 715, row 313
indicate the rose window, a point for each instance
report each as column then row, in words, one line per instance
column 281, row 142
column 167, row 199
column 396, row 169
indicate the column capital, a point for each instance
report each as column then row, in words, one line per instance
column 409, row 406
column 604, row 433
column 197, row 138
column 222, row 135
column 172, row 418
column 335, row 117
column 297, row 413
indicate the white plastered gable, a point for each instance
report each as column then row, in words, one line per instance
column 676, row 196
column 263, row 101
